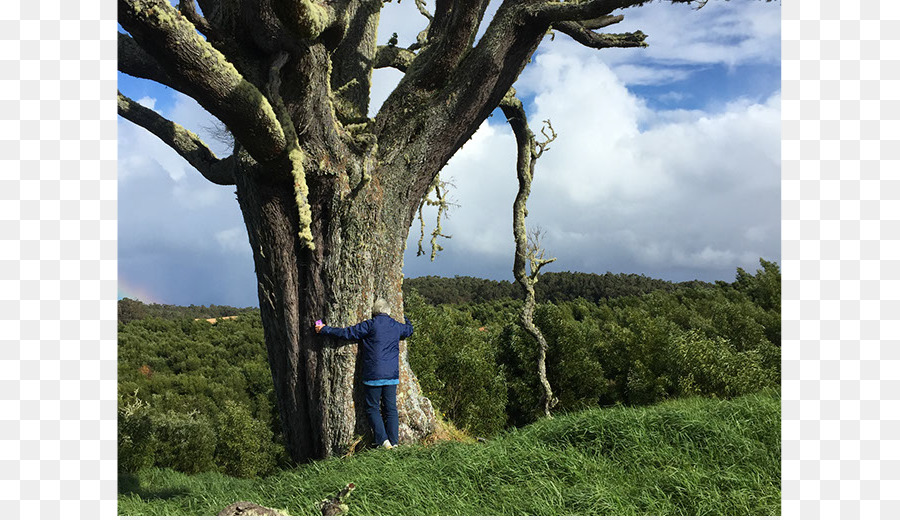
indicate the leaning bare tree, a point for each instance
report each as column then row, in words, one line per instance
column 529, row 256
column 328, row 194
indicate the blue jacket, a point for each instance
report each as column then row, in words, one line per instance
column 380, row 337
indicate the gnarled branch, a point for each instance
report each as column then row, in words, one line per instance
column 528, row 151
column 186, row 143
column 420, row 5
column 450, row 35
column 588, row 38
column 307, row 19
column 134, row 61
column 391, row 56
column 202, row 72
column 553, row 12
column 190, row 12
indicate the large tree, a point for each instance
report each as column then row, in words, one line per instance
column 327, row 193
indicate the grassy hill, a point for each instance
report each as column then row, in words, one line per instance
column 696, row 456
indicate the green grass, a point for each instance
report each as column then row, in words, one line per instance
column 694, row 456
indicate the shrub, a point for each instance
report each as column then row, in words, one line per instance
column 245, row 446
column 574, row 368
column 137, row 443
column 184, row 441
column 455, row 362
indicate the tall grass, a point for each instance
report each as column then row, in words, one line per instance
column 694, row 456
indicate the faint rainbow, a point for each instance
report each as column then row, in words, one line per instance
column 129, row 289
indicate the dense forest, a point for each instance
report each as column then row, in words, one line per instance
column 130, row 310
column 195, row 396
column 553, row 287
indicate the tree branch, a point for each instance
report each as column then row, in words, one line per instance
column 186, row 143
column 554, row 12
column 602, row 21
column 187, row 9
column 588, row 38
column 391, row 56
column 204, row 74
column 420, row 4
column 305, row 18
column 450, row 35
column 528, row 151
column 134, row 61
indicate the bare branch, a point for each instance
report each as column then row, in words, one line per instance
column 602, row 21
column 554, row 12
column 420, row 4
column 187, row 9
column 220, row 133
column 393, row 57
column 186, row 143
column 205, row 74
column 530, row 251
column 443, row 203
column 542, row 146
column 588, row 38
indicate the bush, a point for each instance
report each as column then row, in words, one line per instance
column 137, row 443
column 574, row 369
column 712, row 367
column 184, row 441
column 456, row 365
column 245, row 447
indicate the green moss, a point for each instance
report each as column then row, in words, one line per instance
column 301, row 194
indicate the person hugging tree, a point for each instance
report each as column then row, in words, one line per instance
column 380, row 337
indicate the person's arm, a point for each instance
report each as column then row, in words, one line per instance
column 407, row 330
column 356, row 332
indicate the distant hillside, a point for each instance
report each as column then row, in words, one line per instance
column 552, row 287
column 130, row 310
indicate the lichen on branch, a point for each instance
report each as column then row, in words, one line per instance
column 530, row 252
column 440, row 188
column 185, row 142
column 295, row 154
column 306, row 18
column 205, row 74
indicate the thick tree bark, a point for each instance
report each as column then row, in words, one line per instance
column 360, row 237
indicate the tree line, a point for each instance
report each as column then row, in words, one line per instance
column 199, row 397
column 553, row 287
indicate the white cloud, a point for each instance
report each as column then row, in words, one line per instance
column 683, row 40
column 729, row 33
column 643, row 75
column 148, row 102
column 625, row 188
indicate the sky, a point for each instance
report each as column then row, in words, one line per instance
column 667, row 164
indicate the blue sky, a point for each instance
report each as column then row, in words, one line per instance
column 667, row 164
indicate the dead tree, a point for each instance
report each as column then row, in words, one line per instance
column 529, row 257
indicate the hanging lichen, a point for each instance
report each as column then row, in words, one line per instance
column 295, row 154
column 443, row 203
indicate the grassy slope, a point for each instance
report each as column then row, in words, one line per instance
column 687, row 457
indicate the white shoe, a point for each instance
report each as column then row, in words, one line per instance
column 387, row 444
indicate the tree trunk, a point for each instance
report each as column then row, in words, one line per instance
column 360, row 236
